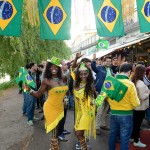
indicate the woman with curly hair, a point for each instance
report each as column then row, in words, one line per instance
column 84, row 94
column 55, row 84
column 139, row 112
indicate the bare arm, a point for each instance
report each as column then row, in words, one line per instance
column 41, row 91
column 78, row 55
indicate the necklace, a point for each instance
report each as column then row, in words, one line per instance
column 55, row 79
column 82, row 84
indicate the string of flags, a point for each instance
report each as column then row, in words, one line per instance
column 55, row 18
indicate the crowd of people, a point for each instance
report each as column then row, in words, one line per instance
column 74, row 85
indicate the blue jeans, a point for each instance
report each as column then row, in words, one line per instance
column 25, row 102
column 30, row 106
column 148, row 114
column 123, row 125
column 71, row 100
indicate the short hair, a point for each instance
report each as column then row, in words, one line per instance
column 32, row 64
column 141, row 63
column 85, row 60
column 114, row 58
column 27, row 66
column 125, row 67
column 107, row 57
column 41, row 66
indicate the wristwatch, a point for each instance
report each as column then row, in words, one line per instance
column 31, row 91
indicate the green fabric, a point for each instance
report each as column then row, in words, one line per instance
column 119, row 76
column 102, row 44
column 108, row 72
column 114, row 88
column 25, row 78
column 122, row 112
column 100, row 99
column 108, row 16
column 10, row 24
column 56, row 25
column 143, row 9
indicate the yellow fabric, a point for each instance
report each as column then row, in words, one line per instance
column 130, row 99
column 72, row 74
column 53, row 107
column 85, row 114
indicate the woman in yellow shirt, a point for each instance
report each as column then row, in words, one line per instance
column 55, row 84
column 84, row 94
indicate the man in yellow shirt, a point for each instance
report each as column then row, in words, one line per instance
column 121, row 118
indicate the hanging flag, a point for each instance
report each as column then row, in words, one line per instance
column 55, row 19
column 10, row 17
column 108, row 15
column 143, row 8
column 114, row 88
column 102, row 44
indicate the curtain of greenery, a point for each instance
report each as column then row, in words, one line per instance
column 18, row 51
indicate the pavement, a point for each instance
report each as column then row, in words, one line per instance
column 15, row 134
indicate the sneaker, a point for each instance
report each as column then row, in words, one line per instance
column 78, row 146
column 66, row 132
column 139, row 144
column 30, row 123
column 62, row 138
column 36, row 119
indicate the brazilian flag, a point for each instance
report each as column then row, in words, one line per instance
column 108, row 14
column 10, row 17
column 114, row 88
column 143, row 8
column 102, row 44
column 24, row 77
column 55, row 19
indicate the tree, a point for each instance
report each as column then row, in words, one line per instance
column 18, row 51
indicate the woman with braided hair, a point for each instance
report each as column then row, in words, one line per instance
column 84, row 94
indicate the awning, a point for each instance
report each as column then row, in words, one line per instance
column 102, row 53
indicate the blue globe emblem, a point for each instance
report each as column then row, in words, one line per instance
column 54, row 15
column 147, row 9
column 101, row 44
column 29, row 77
column 6, row 10
column 107, row 85
column 108, row 14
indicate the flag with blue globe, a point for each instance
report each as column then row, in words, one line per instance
column 108, row 15
column 55, row 19
column 143, row 9
column 114, row 89
column 10, row 17
column 102, row 44
column 24, row 77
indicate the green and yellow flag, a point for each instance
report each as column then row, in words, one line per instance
column 114, row 88
column 55, row 19
column 108, row 14
column 10, row 17
column 143, row 8
column 102, row 44
column 25, row 78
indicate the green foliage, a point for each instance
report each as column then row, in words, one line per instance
column 16, row 52
column 6, row 85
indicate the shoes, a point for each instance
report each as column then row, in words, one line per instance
column 78, row 146
column 98, row 132
column 62, row 138
column 66, row 132
column 139, row 144
column 105, row 128
column 36, row 119
column 30, row 123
